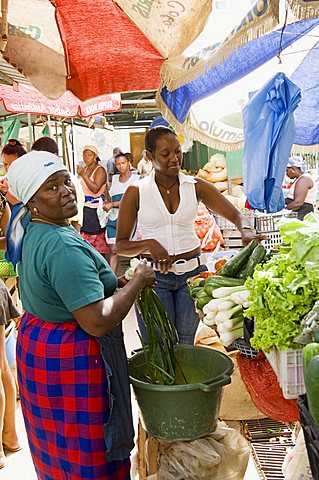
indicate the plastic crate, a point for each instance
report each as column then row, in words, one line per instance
column 273, row 240
column 2, row 255
column 245, row 348
column 269, row 223
column 311, row 434
column 226, row 224
column 287, row 365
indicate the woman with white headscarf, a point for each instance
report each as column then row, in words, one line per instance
column 302, row 194
column 71, row 359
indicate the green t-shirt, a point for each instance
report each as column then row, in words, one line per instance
column 60, row 272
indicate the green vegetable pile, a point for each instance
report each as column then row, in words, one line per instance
column 162, row 337
column 222, row 297
column 285, row 288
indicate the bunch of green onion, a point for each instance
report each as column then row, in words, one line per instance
column 162, row 337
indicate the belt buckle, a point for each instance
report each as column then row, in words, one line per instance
column 176, row 264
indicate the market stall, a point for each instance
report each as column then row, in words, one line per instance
column 279, row 293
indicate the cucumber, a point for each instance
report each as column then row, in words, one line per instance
column 194, row 290
column 222, row 282
column 312, row 388
column 256, row 257
column 309, row 351
column 235, row 264
column 202, row 301
column 201, row 293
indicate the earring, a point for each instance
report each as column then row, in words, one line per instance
column 35, row 211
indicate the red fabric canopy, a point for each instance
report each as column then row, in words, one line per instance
column 130, row 63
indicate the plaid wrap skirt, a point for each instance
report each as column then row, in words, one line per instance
column 63, row 392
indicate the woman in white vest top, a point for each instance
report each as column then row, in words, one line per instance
column 165, row 206
column 302, row 194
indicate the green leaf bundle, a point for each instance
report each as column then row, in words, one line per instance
column 162, row 337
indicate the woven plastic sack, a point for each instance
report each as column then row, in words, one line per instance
column 222, row 455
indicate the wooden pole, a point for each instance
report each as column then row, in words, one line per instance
column 4, row 25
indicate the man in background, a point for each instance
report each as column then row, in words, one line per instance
column 145, row 165
column 110, row 165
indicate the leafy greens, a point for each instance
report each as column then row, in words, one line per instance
column 284, row 289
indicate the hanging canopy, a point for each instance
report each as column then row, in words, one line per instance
column 193, row 109
column 26, row 99
column 94, row 47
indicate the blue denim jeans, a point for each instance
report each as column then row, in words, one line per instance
column 173, row 291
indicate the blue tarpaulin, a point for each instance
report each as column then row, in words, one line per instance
column 251, row 56
column 307, row 115
column 269, row 130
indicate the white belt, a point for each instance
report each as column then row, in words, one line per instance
column 181, row 266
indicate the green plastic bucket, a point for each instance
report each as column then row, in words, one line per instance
column 183, row 412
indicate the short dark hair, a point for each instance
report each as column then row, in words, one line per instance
column 153, row 135
column 129, row 157
column 121, row 154
column 46, row 144
column 14, row 147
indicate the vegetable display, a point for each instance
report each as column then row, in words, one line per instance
column 285, row 288
column 222, row 297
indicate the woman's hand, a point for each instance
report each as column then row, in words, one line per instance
column 160, row 256
column 145, row 275
column 248, row 235
column 107, row 206
column 80, row 170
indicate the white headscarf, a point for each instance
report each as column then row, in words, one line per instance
column 297, row 161
column 25, row 176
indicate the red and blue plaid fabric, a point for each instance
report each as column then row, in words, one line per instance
column 63, row 394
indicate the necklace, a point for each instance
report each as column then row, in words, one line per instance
column 48, row 223
column 168, row 189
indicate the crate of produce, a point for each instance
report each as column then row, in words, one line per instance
column 287, row 365
column 311, row 434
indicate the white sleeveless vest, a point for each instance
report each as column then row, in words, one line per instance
column 175, row 232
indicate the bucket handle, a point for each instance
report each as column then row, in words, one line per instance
column 213, row 384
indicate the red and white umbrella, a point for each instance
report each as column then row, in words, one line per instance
column 26, row 99
column 94, row 47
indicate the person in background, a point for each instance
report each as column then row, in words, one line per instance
column 47, row 144
column 130, row 158
column 165, row 205
column 10, row 152
column 93, row 180
column 8, row 311
column 111, row 206
column 71, row 359
column 110, row 165
column 302, row 194
column 145, row 165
